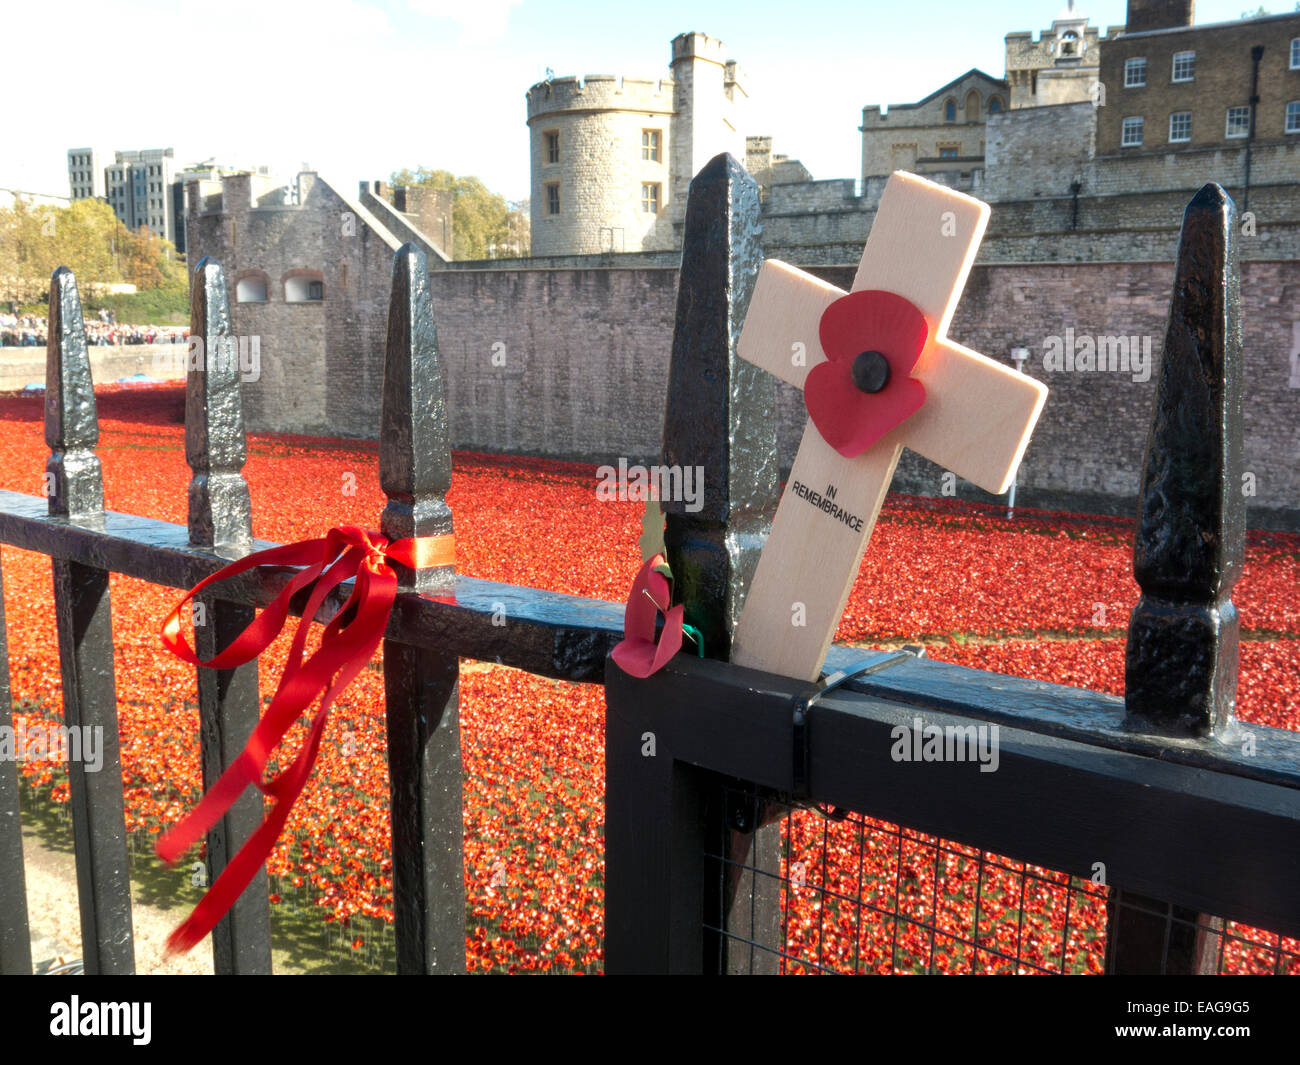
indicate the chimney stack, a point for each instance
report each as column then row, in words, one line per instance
column 1159, row 14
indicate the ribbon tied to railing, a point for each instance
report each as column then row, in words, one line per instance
column 347, row 644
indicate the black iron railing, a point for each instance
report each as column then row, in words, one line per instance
column 1187, row 824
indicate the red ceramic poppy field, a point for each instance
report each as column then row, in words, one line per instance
column 1048, row 598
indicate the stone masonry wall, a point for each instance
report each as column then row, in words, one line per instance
column 586, row 359
column 572, row 362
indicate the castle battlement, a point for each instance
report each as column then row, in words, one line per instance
column 699, row 46
column 600, row 92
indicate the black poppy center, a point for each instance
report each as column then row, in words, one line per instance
column 871, row 371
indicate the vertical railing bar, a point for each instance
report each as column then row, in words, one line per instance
column 83, row 615
column 219, row 517
column 1189, row 549
column 15, row 933
column 421, row 686
column 720, row 420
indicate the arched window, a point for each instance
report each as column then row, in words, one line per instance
column 303, row 286
column 251, row 287
column 1069, row 43
column 995, row 105
column 973, row 107
column 950, row 111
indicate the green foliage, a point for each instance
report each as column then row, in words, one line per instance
column 484, row 225
column 87, row 238
column 155, row 306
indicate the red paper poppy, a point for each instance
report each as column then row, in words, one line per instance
column 873, row 341
column 638, row 655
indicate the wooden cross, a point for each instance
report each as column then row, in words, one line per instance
column 976, row 419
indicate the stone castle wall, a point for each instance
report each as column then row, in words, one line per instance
column 322, row 362
column 586, row 346
column 586, row 360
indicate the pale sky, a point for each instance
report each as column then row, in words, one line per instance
column 358, row 88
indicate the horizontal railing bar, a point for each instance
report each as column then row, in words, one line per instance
column 548, row 633
column 1212, row 841
column 553, row 634
column 1082, row 715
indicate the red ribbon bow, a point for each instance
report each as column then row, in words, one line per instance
column 345, row 647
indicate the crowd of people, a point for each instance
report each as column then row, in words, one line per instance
column 29, row 330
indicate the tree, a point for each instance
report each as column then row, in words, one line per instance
column 480, row 219
column 87, row 238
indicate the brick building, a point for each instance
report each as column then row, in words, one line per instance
column 1172, row 86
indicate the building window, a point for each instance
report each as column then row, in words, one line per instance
column 1135, row 73
column 950, row 111
column 251, row 290
column 947, row 153
column 1132, row 137
column 650, row 199
column 1069, row 42
column 1238, row 122
column 650, row 145
column 1295, row 54
column 1184, row 66
column 1293, row 117
column 552, row 199
column 552, row 147
column 304, row 288
column 1180, row 127
column 995, row 105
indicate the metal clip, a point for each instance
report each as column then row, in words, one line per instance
column 804, row 703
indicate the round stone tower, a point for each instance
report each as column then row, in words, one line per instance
column 612, row 157
column 599, row 148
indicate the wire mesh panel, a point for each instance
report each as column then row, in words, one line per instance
column 860, row 895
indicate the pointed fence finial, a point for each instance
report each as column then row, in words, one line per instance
column 74, row 483
column 720, row 420
column 1189, row 548
column 220, row 510
column 414, row 440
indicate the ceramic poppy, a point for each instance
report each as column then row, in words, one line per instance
column 638, row 655
column 873, row 341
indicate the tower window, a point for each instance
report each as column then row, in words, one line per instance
column 950, row 111
column 552, row 146
column 1135, row 73
column 1132, row 136
column 552, row 199
column 995, row 105
column 650, row 199
column 650, row 145
column 1184, row 66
